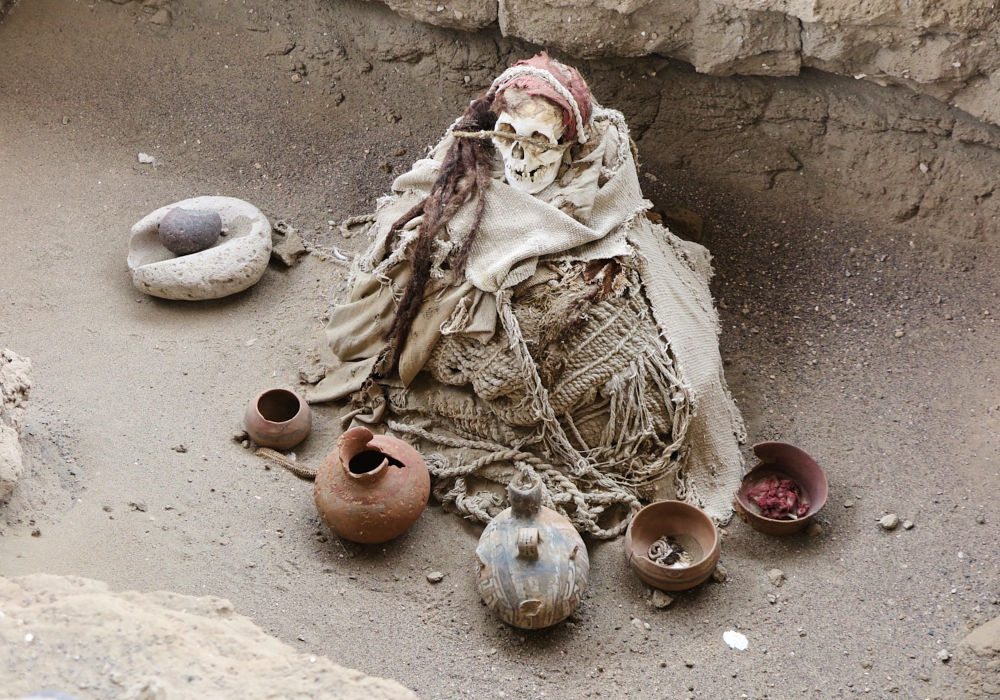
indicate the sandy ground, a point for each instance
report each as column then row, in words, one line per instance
column 902, row 424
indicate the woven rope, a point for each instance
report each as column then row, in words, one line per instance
column 608, row 447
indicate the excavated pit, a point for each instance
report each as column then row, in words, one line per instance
column 852, row 227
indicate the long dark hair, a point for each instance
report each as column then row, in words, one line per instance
column 465, row 174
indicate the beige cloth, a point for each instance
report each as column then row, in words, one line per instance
column 519, row 231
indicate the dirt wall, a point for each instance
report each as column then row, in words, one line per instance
column 73, row 634
column 946, row 49
column 885, row 154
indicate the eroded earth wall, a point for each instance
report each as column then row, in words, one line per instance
column 885, row 154
column 73, row 634
column 949, row 49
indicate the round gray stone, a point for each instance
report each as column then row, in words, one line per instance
column 187, row 231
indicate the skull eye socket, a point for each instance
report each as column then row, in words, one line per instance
column 538, row 135
column 505, row 128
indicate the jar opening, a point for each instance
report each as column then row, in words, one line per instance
column 278, row 406
column 370, row 460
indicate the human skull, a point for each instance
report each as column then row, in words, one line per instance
column 530, row 167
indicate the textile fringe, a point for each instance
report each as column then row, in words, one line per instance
column 559, row 492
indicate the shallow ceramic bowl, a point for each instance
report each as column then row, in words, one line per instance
column 787, row 462
column 278, row 418
column 674, row 518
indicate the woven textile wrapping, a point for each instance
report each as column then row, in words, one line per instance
column 580, row 345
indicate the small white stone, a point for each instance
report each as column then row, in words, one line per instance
column 777, row 577
column 435, row 577
column 943, row 656
column 735, row 640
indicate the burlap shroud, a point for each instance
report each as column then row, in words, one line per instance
column 584, row 353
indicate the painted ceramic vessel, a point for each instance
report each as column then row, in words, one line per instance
column 278, row 418
column 533, row 565
column 372, row 487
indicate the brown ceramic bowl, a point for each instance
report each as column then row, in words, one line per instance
column 278, row 418
column 686, row 522
column 787, row 462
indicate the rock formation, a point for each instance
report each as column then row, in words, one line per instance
column 977, row 662
column 946, row 48
column 15, row 383
column 74, row 635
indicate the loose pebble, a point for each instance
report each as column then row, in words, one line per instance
column 771, row 598
column 660, row 599
column 981, row 519
column 161, row 18
column 735, row 640
column 777, row 577
column 720, row 574
column 943, row 656
column 889, row 522
column 435, row 577
column 814, row 529
column 907, row 524
column 848, row 503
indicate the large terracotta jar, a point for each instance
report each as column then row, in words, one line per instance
column 533, row 565
column 372, row 487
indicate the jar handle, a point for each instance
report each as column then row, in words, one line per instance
column 527, row 543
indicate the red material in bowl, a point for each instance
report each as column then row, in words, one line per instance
column 786, row 462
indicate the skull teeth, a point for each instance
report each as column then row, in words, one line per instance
column 530, row 175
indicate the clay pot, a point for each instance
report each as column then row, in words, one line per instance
column 186, row 231
column 278, row 418
column 533, row 565
column 372, row 487
column 786, row 462
column 693, row 529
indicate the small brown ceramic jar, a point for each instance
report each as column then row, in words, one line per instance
column 278, row 418
column 372, row 487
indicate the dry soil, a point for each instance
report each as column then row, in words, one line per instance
column 872, row 348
